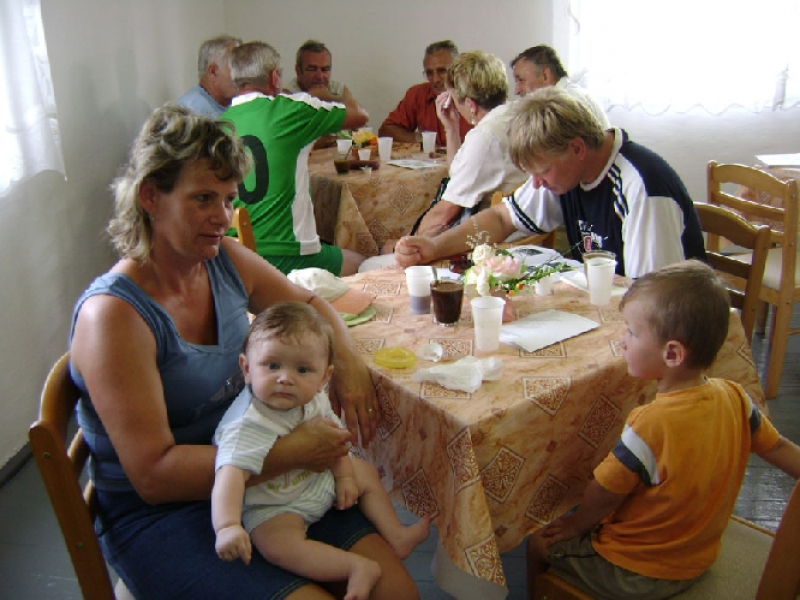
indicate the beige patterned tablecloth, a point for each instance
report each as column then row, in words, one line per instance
column 361, row 211
column 493, row 466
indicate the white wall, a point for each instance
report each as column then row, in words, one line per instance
column 377, row 47
column 113, row 62
column 377, row 51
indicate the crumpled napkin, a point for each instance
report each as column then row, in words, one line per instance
column 465, row 375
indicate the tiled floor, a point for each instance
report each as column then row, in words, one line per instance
column 34, row 564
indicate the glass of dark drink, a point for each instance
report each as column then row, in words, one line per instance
column 446, row 297
column 342, row 164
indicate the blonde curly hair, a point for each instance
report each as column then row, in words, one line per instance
column 170, row 139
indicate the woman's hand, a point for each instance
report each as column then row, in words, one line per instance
column 352, row 394
column 317, row 444
column 448, row 113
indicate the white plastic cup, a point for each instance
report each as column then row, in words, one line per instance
column 487, row 317
column 600, row 277
column 364, row 153
column 418, row 282
column 343, row 146
column 385, row 148
column 428, row 141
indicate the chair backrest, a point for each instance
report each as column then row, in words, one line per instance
column 743, row 279
column 781, row 577
column 61, row 466
column 764, row 199
column 244, row 228
column 738, row 565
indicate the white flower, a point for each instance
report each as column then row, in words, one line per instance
column 482, row 253
column 482, row 284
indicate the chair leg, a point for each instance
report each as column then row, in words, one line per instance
column 761, row 318
column 778, row 338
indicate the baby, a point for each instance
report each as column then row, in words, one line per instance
column 287, row 361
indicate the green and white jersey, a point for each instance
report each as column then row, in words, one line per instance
column 279, row 131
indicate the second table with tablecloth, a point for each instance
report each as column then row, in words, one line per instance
column 361, row 210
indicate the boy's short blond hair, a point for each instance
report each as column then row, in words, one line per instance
column 688, row 303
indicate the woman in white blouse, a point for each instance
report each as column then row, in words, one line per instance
column 477, row 89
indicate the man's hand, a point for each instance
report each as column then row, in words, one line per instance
column 232, row 543
column 346, row 492
column 414, row 250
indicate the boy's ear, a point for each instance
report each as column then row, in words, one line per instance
column 674, row 354
column 245, row 367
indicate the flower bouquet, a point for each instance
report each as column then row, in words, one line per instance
column 496, row 270
column 361, row 137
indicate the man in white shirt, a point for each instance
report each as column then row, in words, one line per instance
column 538, row 67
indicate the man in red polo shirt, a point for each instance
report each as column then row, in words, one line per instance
column 417, row 110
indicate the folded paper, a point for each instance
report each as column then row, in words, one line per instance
column 542, row 329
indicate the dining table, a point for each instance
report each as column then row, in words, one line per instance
column 492, row 466
column 362, row 209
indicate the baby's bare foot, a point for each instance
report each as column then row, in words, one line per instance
column 362, row 578
column 407, row 538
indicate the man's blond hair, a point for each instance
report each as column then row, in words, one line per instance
column 545, row 122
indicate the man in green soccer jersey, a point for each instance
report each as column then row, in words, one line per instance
column 280, row 130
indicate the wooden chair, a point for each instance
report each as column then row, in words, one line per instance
column 546, row 240
column 774, row 203
column 244, row 228
column 752, row 563
column 61, row 467
column 743, row 279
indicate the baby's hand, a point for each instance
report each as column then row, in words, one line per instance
column 346, row 492
column 232, row 543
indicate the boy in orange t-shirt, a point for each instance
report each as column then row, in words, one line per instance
column 651, row 521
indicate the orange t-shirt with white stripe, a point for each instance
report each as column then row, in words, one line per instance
column 681, row 459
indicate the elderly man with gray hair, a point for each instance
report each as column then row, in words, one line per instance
column 538, row 67
column 280, row 131
column 215, row 89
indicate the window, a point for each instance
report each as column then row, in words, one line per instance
column 679, row 54
column 29, row 136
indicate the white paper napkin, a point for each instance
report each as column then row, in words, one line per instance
column 466, row 374
column 543, row 329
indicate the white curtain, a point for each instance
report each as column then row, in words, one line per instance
column 675, row 55
column 29, row 136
